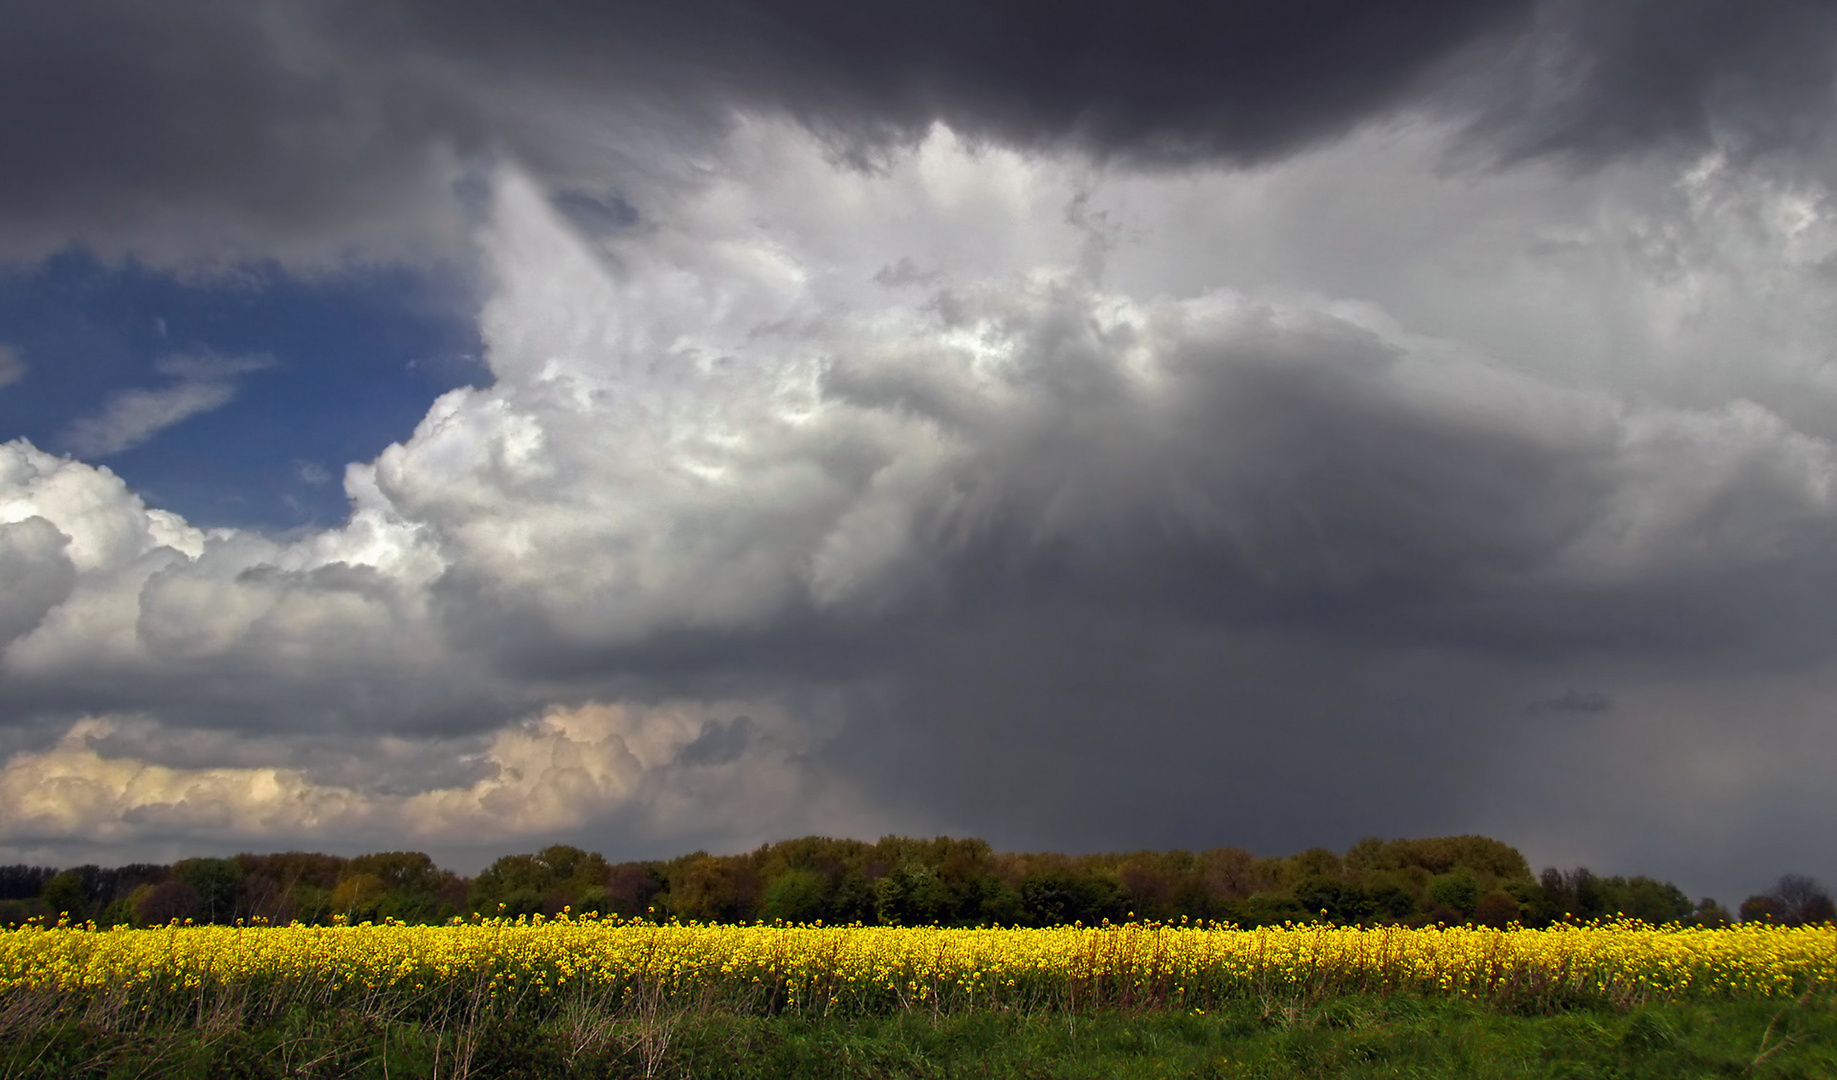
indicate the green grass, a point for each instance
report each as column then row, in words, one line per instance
column 1401, row 1036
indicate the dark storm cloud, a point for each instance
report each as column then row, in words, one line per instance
column 249, row 130
column 1162, row 79
column 1061, row 729
column 1301, row 474
column 127, row 124
column 1594, row 79
column 1573, row 701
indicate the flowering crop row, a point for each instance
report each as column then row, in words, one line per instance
column 823, row 969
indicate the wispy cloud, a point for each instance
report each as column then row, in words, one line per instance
column 11, row 367
column 212, row 367
column 311, row 472
column 207, row 381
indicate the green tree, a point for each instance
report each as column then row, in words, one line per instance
column 1335, row 899
column 1763, row 908
column 1457, row 890
column 1369, row 855
column 413, row 887
column 400, row 871
column 1498, row 909
column 990, row 901
column 1316, row 862
column 796, row 896
column 1483, row 855
column 157, row 905
column 64, row 895
column 1390, row 894
column 913, row 895
column 310, row 903
column 630, row 888
column 1051, row 897
column 217, row 883
column 1798, row 900
column 852, row 899
column 1710, row 915
column 118, row 912
column 713, row 889
column 513, row 885
column 359, row 896
column 1650, row 900
column 288, row 885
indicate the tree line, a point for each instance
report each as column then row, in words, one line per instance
column 894, row 881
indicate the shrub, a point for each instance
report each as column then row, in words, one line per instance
column 1458, row 890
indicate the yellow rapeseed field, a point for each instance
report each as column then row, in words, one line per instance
column 816, row 969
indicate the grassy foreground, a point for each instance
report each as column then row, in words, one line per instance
column 1354, row 1036
column 538, row 998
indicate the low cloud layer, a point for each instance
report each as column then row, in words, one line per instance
column 596, row 765
column 992, row 491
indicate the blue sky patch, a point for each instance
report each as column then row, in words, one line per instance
column 233, row 399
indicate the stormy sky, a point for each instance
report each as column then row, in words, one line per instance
column 1089, row 426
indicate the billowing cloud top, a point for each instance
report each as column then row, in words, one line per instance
column 1139, row 425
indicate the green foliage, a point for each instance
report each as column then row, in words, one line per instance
column 1794, row 900
column 1457, row 890
column 1580, row 895
column 1060, row 894
column 217, row 883
column 513, row 885
column 713, row 889
column 1709, row 914
column 358, row 896
column 914, row 894
column 1488, row 858
column 557, row 878
column 1498, row 909
column 1317, row 863
column 796, row 896
column 63, row 895
column 156, row 905
column 895, row 880
column 401, row 871
column 629, row 889
column 1334, row 899
column 119, row 912
column 1268, row 909
column 853, row 899
column 402, row 885
column 309, row 903
column 1393, row 899
column 1653, row 901
column 285, row 886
